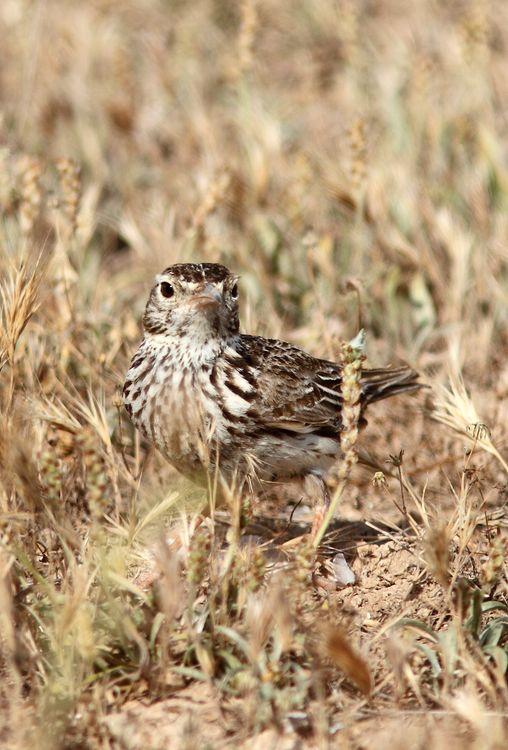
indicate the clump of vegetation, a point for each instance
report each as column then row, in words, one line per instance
column 348, row 160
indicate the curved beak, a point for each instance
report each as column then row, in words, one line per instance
column 208, row 297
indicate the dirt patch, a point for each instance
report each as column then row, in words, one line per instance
column 390, row 583
column 176, row 722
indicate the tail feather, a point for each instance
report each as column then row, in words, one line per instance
column 385, row 382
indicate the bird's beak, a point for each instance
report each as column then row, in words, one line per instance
column 208, row 297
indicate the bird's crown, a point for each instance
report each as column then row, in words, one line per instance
column 196, row 272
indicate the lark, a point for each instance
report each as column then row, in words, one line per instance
column 216, row 401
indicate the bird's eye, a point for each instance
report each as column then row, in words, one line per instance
column 167, row 289
column 234, row 291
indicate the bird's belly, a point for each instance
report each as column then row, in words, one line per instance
column 196, row 427
column 186, row 424
column 277, row 458
column 195, row 438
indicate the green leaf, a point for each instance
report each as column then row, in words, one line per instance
column 448, row 644
column 432, row 657
column 407, row 622
column 493, row 632
column 235, row 638
column 230, row 659
column 500, row 657
column 494, row 604
column 474, row 620
column 156, row 626
column 191, row 673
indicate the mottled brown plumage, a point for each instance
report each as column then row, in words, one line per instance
column 259, row 410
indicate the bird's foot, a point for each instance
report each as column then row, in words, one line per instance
column 317, row 491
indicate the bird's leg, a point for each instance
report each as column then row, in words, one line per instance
column 317, row 492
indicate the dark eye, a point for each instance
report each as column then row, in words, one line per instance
column 234, row 291
column 166, row 289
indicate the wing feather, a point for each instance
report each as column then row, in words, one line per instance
column 295, row 391
column 302, row 394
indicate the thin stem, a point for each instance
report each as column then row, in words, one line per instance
column 337, row 495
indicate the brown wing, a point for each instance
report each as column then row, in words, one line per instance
column 295, row 391
column 300, row 393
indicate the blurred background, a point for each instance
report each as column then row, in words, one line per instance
column 348, row 159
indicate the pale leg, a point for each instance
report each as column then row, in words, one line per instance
column 317, row 492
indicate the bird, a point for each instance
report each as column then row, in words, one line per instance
column 214, row 400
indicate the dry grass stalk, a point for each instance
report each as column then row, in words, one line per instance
column 437, row 553
column 214, row 194
column 19, row 298
column 454, row 407
column 338, row 648
column 233, row 628
column 358, row 150
column 70, row 187
column 29, row 172
column 248, row 27
column 351, row 360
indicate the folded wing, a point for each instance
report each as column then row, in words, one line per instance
column 301, row 394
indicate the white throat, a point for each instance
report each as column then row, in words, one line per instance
column 188, row 352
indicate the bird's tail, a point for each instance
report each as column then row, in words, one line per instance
column 385, row 382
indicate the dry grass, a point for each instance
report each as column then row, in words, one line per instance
column 348, row 159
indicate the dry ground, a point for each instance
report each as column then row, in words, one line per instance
column 349, row 160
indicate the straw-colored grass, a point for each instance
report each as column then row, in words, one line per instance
column 349, row 160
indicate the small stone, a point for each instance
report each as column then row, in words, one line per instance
column 344, row 576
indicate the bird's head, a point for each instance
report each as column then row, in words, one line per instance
column 199, row 300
